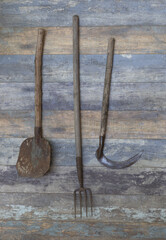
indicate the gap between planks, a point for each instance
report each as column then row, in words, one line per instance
column 31, row 206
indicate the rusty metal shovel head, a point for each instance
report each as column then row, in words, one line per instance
column 34, row 157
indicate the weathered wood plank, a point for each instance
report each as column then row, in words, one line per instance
column 138, row 181
column 120, row 197
column 92, row 13
column 58, row 207
column 63, row 151
column 59, row 69
column 32, row 230
column 60, row 124
column 31, row 236
column 59, row 96
column 93, row 40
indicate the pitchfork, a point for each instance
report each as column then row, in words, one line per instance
column 77, row 123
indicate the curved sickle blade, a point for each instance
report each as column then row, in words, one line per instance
column 117, row 165
column 104, row 115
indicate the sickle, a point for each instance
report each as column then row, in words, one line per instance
column 104, row 115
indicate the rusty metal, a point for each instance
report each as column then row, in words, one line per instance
column 81, row 191
column 104, row 115
column 35, row 153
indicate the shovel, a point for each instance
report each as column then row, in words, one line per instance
column 35, row 153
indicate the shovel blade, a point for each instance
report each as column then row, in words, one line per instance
column 34, row 158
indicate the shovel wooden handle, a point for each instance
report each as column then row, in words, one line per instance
column 38, row 78
column 106, row 92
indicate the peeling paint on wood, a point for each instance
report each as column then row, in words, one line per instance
column 108, row 208
column 113, row 214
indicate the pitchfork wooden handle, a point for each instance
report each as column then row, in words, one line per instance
column 76, row 83
column 106, row 92
column 38, row 78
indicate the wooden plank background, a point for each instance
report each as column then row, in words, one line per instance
column 129, row 203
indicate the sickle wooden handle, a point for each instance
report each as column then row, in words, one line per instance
column 38, row 78
column 106, row 92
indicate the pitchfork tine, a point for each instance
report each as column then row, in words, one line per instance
column 86, row 205
column 75, row 203
column 91, row 200
column 104, row 115
column 80, row 195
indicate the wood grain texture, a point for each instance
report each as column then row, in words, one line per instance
column 60, row 124
column 138, row 181
column 93, row 40
column 63, row 151
column 59, row 207
column 38, row 77
column 59, row 96
column 92, row 13
column 107, row 87
column 128, row 204
column 59, row 69
column 76, row 98
column 32, row 230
